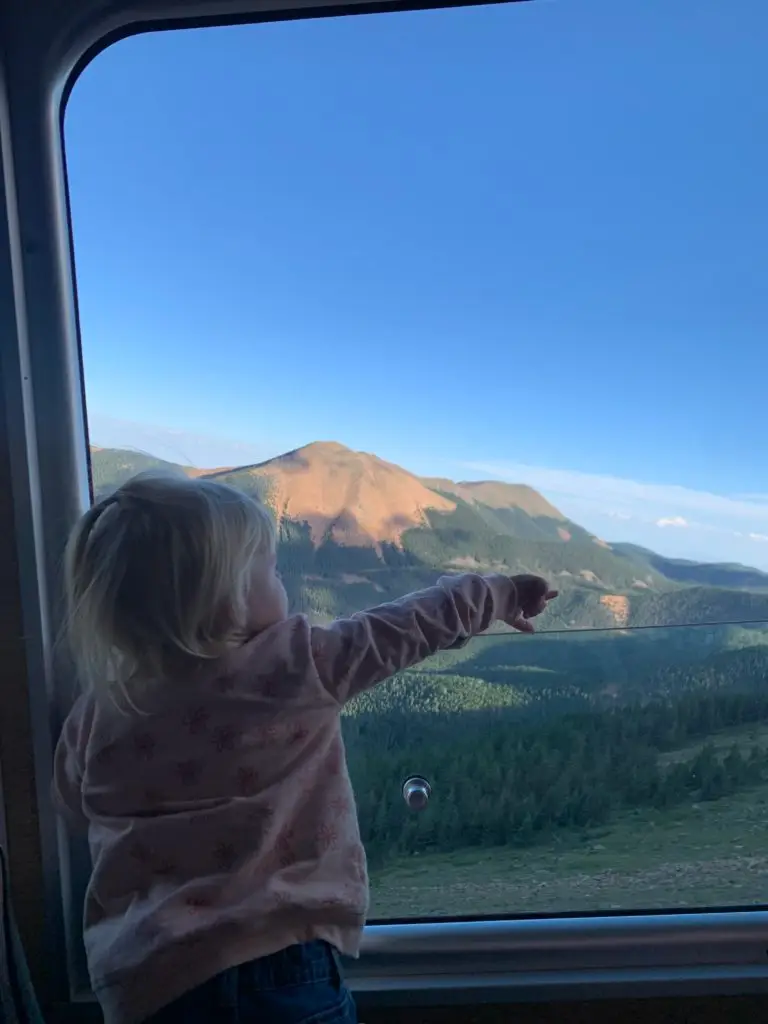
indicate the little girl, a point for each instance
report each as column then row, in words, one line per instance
column 205, row 756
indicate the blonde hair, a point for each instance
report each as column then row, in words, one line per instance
column 157, row 577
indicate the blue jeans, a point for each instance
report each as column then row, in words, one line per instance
column 300, row 985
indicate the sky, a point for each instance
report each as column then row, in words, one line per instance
column 523, row 241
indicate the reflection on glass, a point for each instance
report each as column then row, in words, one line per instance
column 516, row 261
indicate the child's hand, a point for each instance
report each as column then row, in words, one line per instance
column 533, row 596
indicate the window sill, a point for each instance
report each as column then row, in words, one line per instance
column 564, row 958
column 632, row 956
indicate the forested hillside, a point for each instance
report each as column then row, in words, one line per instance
column 500, row 781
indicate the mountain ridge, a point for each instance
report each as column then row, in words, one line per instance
column 497, row 494
column 349, row 497
column 686, row 570
column 356, row 530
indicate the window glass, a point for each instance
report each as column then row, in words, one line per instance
column 473, row 290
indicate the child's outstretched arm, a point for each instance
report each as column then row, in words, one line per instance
column 352, row 655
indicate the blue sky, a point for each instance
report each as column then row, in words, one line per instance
column 524, row 241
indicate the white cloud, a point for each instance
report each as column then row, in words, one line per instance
column 760, row 537
column 673, row 521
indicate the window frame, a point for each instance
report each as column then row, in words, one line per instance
column 44, row 467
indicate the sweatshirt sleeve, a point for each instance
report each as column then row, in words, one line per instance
column 353, row 655
column 66, row 787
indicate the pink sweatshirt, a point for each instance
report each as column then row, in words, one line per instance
column 221, row 819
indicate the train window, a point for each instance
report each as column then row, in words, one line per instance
column 473, row 290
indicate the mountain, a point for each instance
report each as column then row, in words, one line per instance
column 498, row 495
column 681, row 570
column 356, row 530
column 350, row 498
column 514, row 509
column 111, row 467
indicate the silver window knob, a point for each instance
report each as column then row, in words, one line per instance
column 416, row 792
